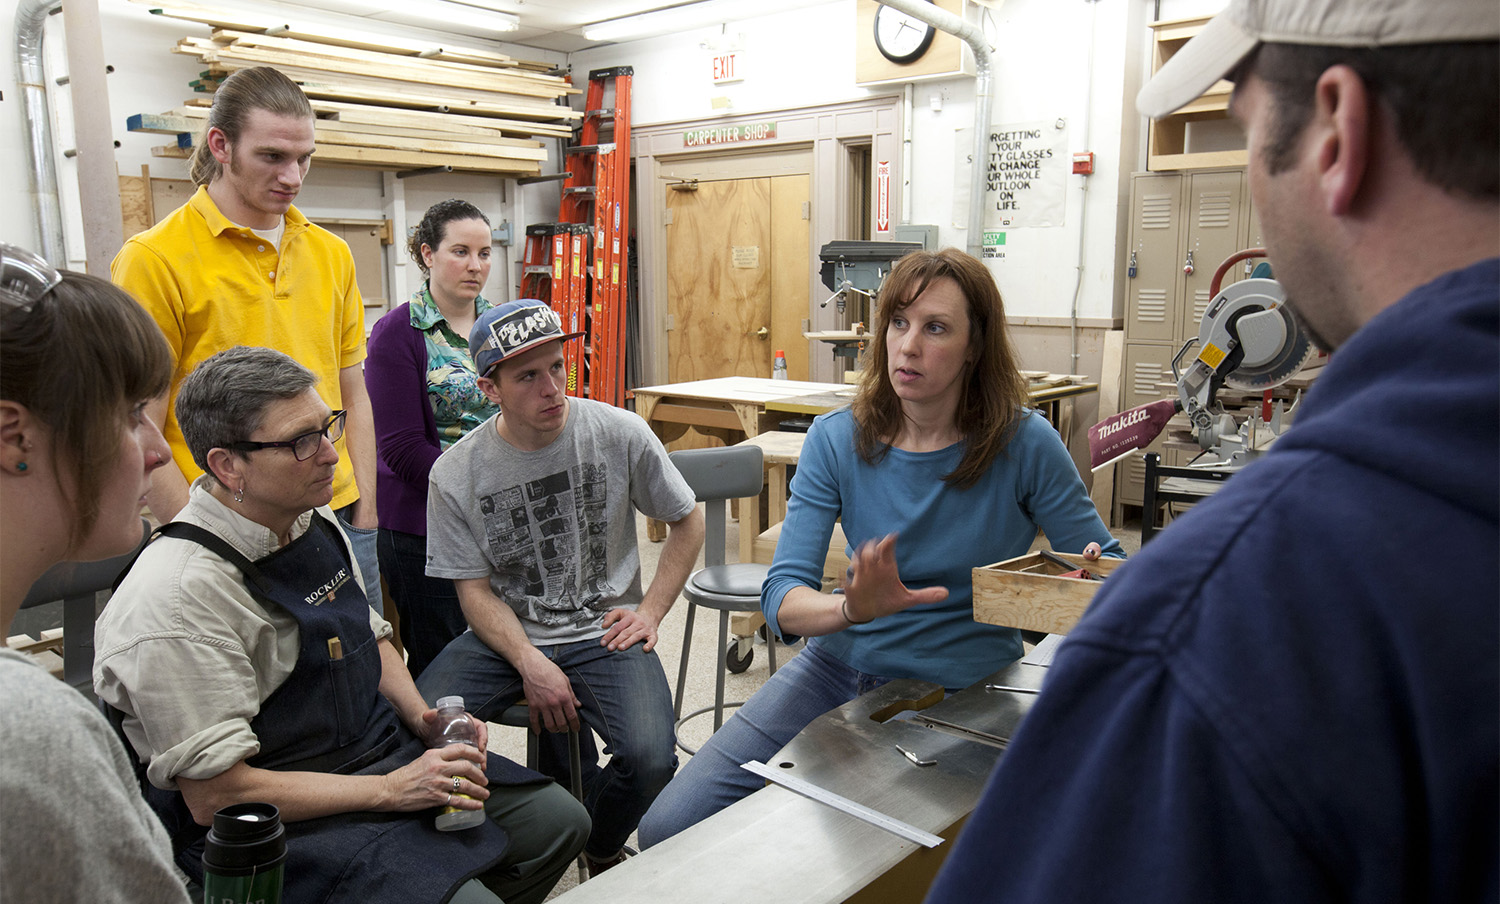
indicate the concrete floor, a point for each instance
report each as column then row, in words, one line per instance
column 511, row 742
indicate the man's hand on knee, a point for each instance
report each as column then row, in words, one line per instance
column 627, row 627
column 549, row 696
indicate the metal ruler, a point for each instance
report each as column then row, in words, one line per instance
column 839, row 802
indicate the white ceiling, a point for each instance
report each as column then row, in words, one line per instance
column 555, row 25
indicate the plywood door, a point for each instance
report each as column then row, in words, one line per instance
column 737, row 265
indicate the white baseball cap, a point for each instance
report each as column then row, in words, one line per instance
column 1246, row 24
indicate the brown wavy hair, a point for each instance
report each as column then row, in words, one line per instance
column 993, row 393
column 79, row 360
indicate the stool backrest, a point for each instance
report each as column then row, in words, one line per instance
column 717, row 475
column 76, row 584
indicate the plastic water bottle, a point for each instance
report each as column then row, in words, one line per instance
column 456, row 728
column 778, row 366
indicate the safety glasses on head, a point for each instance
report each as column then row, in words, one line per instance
column 25, row 278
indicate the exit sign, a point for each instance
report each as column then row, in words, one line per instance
column 727, row 67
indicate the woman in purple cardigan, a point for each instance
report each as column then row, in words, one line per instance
column 422, row 386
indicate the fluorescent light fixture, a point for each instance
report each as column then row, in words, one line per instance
column 484, row 11
column 458, row 14
column 683, row 16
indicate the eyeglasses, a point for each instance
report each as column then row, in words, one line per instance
column 25, row 278
column 304, row 446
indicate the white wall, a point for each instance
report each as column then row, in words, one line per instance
column 1043, row 50
column 797, row 59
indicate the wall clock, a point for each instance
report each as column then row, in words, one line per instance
column 901, row 38
column 890, row 46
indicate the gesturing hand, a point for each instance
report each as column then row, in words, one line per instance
column 428, row 781
column 626, row 628
column 874, row 586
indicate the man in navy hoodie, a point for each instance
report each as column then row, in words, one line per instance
column 1291, row 694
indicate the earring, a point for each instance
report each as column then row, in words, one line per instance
column 21, row 467
column 239, row 494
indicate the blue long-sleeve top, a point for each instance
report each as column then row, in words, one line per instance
column 944, row 534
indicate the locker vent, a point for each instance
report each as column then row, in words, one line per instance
column 1156, row 211
column 1213, row 210
column 1147, row 375
column 1151, row 306
column 1200, row 304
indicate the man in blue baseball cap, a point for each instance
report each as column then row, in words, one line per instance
column 532, row 515
column 1293, row 694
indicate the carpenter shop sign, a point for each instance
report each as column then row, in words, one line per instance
column 754, row 131
column 1027, row 175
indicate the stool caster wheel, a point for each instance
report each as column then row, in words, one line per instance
column 736, row 663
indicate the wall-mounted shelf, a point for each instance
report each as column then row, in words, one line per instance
column 1168, row 143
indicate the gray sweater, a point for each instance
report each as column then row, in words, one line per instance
column 73, row 824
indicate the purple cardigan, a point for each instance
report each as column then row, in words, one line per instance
column 405, row 430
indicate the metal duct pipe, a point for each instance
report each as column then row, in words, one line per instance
column 31, row 18
column 984, row 99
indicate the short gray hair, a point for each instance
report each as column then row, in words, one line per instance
column 224, row 399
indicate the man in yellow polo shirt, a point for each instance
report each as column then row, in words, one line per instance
column 239, row 265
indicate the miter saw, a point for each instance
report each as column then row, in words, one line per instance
column 1250, row 340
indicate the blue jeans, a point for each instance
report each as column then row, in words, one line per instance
column 363, row 543
column 430, row 615
column 623, row 696
column 802, row 690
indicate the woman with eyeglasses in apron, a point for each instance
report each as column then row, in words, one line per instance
column 250, row 668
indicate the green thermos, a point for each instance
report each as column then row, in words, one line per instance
column 244, row 856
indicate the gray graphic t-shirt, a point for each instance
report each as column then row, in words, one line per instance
column 554, row 530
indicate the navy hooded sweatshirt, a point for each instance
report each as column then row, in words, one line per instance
column 1291, row 694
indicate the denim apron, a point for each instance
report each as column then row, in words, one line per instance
column 329, row 716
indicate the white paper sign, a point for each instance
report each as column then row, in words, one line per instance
column 1026, row 176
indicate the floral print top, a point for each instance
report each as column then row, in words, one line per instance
column 458, row 406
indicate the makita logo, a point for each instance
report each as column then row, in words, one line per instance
column 317, row 596
column 1126, row 419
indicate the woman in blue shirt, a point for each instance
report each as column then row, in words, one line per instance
column 938, row 467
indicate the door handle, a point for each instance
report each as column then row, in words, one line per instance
column 763, row 333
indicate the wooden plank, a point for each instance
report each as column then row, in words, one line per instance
column 364, row 113
column 1103, row 490
column 363, row 77
column 326, row 137
column 135, row 203
column 392, row 159
column 336, row 36
column 1029, row 593
column 385, row 158
column 697, row 416
column 357, row 117
column 384, row 65
column 473, row 75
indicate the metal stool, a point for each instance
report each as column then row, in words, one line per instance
column 716, row 476
column 518, row 715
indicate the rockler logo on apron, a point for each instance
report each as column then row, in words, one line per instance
column 326, row 592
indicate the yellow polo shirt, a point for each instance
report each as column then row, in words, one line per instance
column 212, row 285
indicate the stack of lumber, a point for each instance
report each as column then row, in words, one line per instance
column 405, row 105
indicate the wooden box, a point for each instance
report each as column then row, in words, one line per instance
column 1028, row 592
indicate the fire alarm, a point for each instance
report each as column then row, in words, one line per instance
column 1083, row 163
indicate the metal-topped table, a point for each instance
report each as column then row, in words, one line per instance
column 777, row 845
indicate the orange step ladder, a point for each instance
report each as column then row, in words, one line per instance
column 587, row 280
